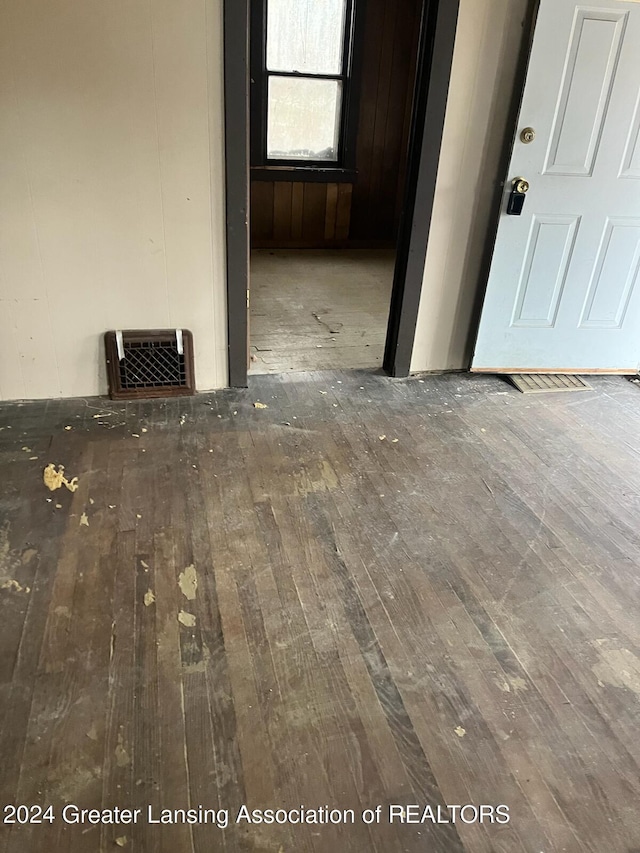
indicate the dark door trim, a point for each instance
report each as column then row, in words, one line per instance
column 435, row 59
column 437, row 40
column 236, row 123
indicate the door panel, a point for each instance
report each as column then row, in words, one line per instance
column 593, row 61
column 545, row 271
column 564, row 289
column 615, row 277
column 631, row 164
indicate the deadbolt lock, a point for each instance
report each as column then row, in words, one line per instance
column 528, row 135
column 519, row 189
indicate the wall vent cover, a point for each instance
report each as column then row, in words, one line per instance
column 152, row 363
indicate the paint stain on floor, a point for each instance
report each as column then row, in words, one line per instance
column 54, row 478
column 188, row 583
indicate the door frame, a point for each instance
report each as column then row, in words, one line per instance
column 435, row 59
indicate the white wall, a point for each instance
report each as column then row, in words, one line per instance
column 111, row 185
column 490, row 34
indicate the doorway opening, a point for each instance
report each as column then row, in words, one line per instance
column 343, row 114
column 331, row 99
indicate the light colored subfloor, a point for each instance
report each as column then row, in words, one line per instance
column 319, row 310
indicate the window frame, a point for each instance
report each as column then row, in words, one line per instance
column 344, row 168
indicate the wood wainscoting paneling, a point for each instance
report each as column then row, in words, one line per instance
column 392, row 30
column 300, row 215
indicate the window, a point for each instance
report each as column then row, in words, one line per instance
column 302, row 67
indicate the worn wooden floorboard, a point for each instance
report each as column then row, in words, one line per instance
column 422, row 591
column 315, row 310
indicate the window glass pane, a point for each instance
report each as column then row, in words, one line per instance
column 305, row 35
column 303, row 119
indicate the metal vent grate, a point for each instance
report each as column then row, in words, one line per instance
column 151, row 364
column 539, row 383
column 154, row 363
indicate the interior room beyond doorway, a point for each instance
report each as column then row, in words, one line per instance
column 319, row 310
column 332, row 89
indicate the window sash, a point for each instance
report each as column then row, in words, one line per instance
column 313, row 43
column 260, row 100
column 325, row 129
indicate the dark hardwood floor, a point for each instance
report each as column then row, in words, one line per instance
column 371, row 592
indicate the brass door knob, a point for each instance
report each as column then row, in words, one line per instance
column 528, row 135
column 521, row 185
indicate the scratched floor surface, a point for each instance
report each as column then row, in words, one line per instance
column 319, row 310
column 368, row 592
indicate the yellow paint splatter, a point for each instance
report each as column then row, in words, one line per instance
column 11, row 583
column 260, row 406
column 122, row 756
column 187, row 619
column 121, row 841
column 54, row 478
column 84, row 520
column 149, row 598
column 188, row 582
column 460, row 731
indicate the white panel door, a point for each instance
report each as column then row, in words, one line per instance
column 564, row 289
